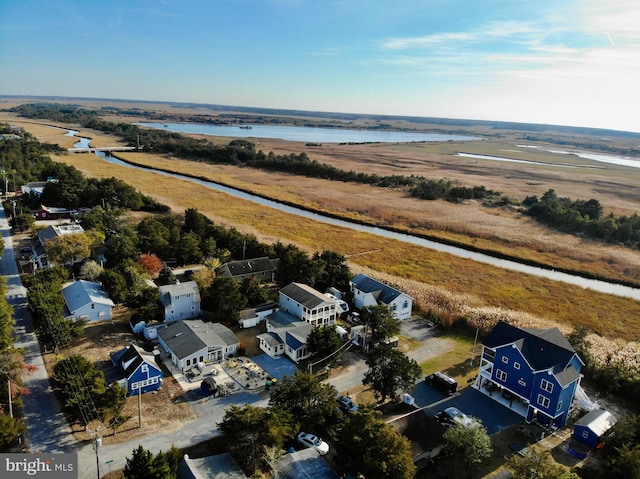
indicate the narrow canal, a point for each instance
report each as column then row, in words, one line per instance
column 596, row 285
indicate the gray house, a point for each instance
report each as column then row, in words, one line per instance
column 263, row 269
column 192, row 342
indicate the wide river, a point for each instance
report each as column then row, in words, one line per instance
column 306, row 134
column 596, row 285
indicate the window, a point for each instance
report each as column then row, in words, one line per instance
column 188, row 362
column 501, row 375
column 543, row 401
column 93, row 306
column 505, row 359
column 516, row 365
column 522, row 383
column 559, row 406
column 585, row 434
column 546, row 385
column 405, row 305
column 145, row 368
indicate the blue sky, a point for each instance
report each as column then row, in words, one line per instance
column 545, row 61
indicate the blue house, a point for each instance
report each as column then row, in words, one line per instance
column 134, row 369
column 537, row 369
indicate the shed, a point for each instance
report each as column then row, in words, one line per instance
column 591, row 427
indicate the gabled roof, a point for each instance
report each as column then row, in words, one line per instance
column 250, row 266
column 81, row 293
column 306, row 295
column 383, row 293
column 287, row 329
column 543, row 349
column 187, row 337
column 131, row 357
column 599, row 421
column 180, row 339
column 127, row 361
column 180, row 289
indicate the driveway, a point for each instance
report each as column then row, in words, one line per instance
column 470, row 401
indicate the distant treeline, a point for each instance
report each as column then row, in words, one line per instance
column 571, row 216
column 243, row 153
column 585, row 218
column 27, row 160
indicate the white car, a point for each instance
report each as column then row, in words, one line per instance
column 309, row 440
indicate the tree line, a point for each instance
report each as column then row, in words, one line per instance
column 584, row 218
column 571, row 216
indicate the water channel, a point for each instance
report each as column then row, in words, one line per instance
column 596, row 285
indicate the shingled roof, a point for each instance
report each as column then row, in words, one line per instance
column 383, row 293
column 306, row 295
column 542, row 348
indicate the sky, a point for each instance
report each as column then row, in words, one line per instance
column 565, row 62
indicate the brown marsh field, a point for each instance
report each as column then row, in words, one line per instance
column 451, row 285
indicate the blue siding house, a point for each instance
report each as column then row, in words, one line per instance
column 591, row 427
column 134, row 369
column 538, row 369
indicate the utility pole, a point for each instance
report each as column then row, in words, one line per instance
column 97, row 444
column 139, row 406
column 473, row 351
column 10, row 403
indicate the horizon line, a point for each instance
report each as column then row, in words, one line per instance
column 344, row 115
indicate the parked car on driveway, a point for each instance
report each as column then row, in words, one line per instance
column 443, row 383
column 309, row 440
column 452, row 416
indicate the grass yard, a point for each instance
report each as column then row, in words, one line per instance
column 164, row 410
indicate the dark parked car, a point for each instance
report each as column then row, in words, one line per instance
column 442, row 382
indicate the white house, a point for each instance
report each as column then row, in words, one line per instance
column 367, row 291
column 309, row 305
column 191, row 342
column 286, row 335
column 180, row 301
column 86, row 300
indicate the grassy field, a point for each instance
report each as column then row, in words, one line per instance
column 437, row 280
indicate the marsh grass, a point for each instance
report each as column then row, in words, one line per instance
column 450, row 285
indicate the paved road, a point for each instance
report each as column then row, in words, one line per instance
column 430, row 347
column 48, row 430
